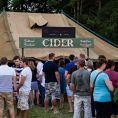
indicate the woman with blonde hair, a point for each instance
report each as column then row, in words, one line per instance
column 34, row 84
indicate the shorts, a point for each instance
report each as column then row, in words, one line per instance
column 69, row 91
column 34, row 86
column 52, row 91
column 8, row 98
column 23, row 103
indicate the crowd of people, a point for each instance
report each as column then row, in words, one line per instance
column 88, row 87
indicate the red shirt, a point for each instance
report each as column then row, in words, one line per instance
column 113, row 75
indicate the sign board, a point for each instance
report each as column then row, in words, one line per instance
column 86, row 43
column 58, row 32
column 35, row 42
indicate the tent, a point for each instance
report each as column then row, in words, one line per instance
column 19, row 24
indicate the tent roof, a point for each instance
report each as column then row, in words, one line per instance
column 17, row 25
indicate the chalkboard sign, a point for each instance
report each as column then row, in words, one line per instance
column 58, row 32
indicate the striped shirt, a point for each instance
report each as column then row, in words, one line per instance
column 18, row 71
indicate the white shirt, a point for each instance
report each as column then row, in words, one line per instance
column 39, row 66
column 26, row 72
column 40, row 73
column 6, row 76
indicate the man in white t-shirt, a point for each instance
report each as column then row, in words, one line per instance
column 41, row 81
column 24, row 88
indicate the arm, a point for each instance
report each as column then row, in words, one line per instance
column 68, row 78
column 40, row 69
column 14, row 82
column 57, row 76
column 91, row 85
column 109, row 85
column 66, row 73
column 23, row 78
column 73, row 87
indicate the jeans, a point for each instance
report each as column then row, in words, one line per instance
column 78, row 102
column 42, row 93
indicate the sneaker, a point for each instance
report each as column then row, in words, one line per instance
column 56, row 112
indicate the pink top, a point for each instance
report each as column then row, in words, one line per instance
column 113, row 75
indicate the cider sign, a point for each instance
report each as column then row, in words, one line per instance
column 34, row 42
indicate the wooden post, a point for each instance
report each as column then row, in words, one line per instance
column 22, row 52
column 88, row 52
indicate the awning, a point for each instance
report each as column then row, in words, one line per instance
column 37, row 21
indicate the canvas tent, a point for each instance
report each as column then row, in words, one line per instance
column 16, row 24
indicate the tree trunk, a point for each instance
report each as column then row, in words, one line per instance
column 78, row 8
column 74, row 9
column 81, row 6
column 99, row 5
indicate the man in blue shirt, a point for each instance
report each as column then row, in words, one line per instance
column 69, row 92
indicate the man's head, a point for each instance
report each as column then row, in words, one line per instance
column 51, row 56
column 16, row 60
column 82, row 56
column 24, row 62
column 71, row 57
column 81, row 63
column 89, row 63
column 4, row 61
column 101, row 57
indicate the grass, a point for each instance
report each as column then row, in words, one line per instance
column 38, row 112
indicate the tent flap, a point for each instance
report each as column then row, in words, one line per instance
column 38, row 21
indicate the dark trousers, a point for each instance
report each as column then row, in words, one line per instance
column 42, row 93
column 103, row 109
column 93, row 107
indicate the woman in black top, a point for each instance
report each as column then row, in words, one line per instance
column 34, row 84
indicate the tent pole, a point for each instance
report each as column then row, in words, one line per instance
column 88, row 52
column 22, row 52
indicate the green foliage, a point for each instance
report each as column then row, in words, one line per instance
column 3, row 5
column 107, row 21
column 55, row 5
column 100, row 15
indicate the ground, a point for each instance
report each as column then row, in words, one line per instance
column 37, row 112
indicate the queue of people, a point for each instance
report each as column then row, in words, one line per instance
column 88, row 88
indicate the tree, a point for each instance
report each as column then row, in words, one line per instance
column 4, row 5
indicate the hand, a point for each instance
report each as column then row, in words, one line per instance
column 14, row 93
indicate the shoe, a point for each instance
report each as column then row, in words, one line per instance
column 56, row 112
column 70, row 111
column 46, row 111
